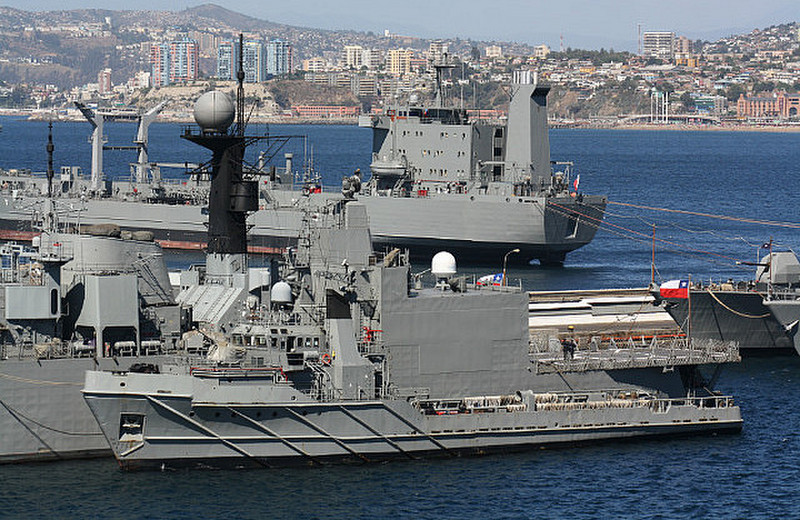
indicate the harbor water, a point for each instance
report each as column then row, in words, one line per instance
column 693, row 178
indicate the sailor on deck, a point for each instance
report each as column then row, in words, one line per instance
column 568, row 344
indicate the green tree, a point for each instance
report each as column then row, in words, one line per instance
column 475, row 53
column 687, row 100
column 734, row 91
column 763, row 86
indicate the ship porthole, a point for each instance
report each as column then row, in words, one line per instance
column 122, row 383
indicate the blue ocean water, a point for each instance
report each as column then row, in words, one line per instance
column 754, row 474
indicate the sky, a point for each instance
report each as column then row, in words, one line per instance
column 589, row 24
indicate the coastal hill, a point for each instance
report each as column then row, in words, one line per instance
column 79, row 43
column 50, row 58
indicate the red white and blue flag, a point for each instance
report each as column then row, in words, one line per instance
column 675, row 289
column 576, row 182
column 491, row 279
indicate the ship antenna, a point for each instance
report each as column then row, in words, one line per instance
column 240, row 90
column 50, row 148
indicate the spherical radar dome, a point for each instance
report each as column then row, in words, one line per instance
column 281, row 293
column 443, row 265
column 214, row 111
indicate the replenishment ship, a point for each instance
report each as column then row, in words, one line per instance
column 438, row 181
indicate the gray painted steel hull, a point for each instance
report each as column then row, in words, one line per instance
column 787, row 312
column 192, row 422
column 42, row 413
column 732, row 316
column 484, row 228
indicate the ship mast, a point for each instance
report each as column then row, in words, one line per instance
column 440, row 68
column 50, row 148
column 231, row 196
column 240, row 90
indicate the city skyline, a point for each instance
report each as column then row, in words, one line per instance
column 607, row 24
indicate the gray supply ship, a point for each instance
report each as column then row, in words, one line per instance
column 439, row 181
column 744, row 311
column 350, row 358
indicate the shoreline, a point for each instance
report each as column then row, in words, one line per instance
column 682, row 127
column 692, row 128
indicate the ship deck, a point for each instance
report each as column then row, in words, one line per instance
column 637, row 353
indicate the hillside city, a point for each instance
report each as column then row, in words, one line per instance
column 120, row 59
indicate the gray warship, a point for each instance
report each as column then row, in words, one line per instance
column 350, row 356
column 787, row 312
column 78, row 298
column 73, row 302
column 744, row 311
column 438, row 181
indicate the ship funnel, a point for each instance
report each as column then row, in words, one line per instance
column 528, row 144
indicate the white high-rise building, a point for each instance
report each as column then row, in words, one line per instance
column 658, row 44
column 437, row 50
column 372, row 58
column 353, row 57
column 494, row 51
column 254, row 62
column 279, row 57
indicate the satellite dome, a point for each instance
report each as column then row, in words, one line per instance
column 214, row 111
column 443, row 265
column 281, row 293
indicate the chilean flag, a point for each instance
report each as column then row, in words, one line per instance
column 491, row 279
column 675, row 289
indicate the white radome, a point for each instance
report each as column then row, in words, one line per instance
column 443, row 265
column 214, row 111
column 281, row 293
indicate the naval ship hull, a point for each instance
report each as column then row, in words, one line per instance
column 43, row 415
column 171, row 421
column 480, row 228
column 787, row 312
column 740, row 316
